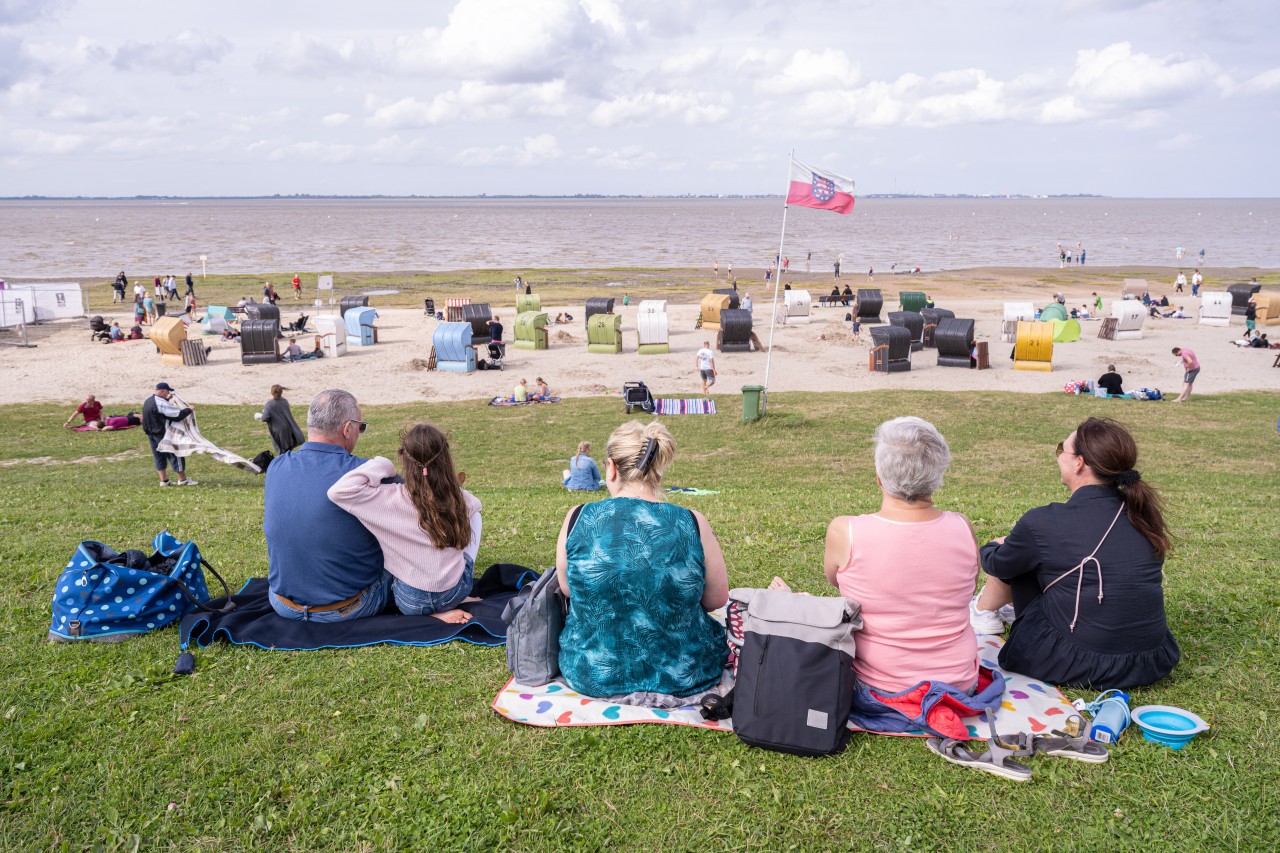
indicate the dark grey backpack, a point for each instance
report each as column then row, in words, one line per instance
column 535, row 618
column 794, row 687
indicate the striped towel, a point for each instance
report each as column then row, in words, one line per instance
column 696, row 406
column 183, row 438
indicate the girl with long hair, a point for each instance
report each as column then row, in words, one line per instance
column 428, row 526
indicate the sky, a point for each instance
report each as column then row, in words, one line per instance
column 1175, row 98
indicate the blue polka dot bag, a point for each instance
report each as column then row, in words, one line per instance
column 107, row 596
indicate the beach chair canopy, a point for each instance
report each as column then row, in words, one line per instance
column 731, row 293
column 261, row 311
column 1240, row 294
column 911, row 300
column 735, row 330
column 1215, row 309
column 799, row 303
column 1130, row 315
column 870, row 301
column 348, row 302
column 1014, row 311
column 897, row 343
column 168, row 333
column 652, row 327
column 357, row 318
column 1034, row 347
column 597, row 305
column 712, row 304
column 954, row 340
column 332, row 332
column 526, row 302
column 259, row 341
column 451, row 341
column 653, row 306
column 913, row 322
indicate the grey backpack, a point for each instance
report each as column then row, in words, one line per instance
column 794, row 685
column 535, row 618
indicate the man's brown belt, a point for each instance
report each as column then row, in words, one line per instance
column 323, row 608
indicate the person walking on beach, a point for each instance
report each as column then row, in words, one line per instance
column 707, row 366
column 1179, row 282
column 297, row 286
column 191, row 285
column 1191, row 369
column 1196, row 280
column 519, row 283
column 118, row 286
column 1097, row 303
column 1082, row 251
column 836, row 265
column 715, row 268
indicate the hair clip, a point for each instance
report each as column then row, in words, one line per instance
column 424, row 470
column 647, row 456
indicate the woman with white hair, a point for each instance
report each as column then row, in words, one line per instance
column 911, row 566
column 640, row 575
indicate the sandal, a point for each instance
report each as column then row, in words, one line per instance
column 1071, row 742
column 995, row 761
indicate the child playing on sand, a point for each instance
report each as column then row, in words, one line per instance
column 428, row 526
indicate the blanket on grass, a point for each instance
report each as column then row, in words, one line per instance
column 503, row 401
column 87, row 428
column 696, row 406
column 255, row 623
column 1028, row 705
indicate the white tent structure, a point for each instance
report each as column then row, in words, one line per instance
column 1215, row 309
column 1130, row 315
column 37, row 303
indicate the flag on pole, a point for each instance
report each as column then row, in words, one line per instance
column 812, row 187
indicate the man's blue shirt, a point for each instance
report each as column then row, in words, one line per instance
column 317, row 553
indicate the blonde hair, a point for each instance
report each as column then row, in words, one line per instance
column 584, row 449
column 627, row 446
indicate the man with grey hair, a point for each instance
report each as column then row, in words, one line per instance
column 322, row 564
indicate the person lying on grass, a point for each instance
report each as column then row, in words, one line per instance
column 114, row 422
column 641, row 575
column 428, row 526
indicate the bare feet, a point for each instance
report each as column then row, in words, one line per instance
column 454, row 617
column 778, row 583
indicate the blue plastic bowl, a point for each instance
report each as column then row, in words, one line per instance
column 1164, row 724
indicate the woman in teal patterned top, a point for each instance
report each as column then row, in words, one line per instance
column 640, row 575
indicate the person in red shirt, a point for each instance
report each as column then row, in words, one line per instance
column 297, row 287
column 90, row 408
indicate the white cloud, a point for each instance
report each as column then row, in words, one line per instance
column 1267, row 81
column 42, row 142
column 809, row 70
column 628, row 158
column 185, row 53
column 1181, row 142
column 534, row 151
column 1116, row 76
column 690, row 108
column 308, row 56
column 1063, row 109
column 472, row 101
column 497, row 41
column 335, row 119
column 689, row 62
column 314, row 152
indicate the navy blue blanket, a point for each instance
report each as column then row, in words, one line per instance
column 253, row 622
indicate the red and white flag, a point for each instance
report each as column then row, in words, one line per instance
column 812, row 187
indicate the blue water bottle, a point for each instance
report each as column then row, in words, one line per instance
column 1110, row 716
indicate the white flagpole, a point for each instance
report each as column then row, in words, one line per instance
column 777, row 282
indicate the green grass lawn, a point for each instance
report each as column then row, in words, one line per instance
column 396, row 748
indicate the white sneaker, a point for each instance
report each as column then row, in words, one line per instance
column 984, row 621
column 166, row 482
column 188, row 482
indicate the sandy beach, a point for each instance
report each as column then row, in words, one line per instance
column 820, row 356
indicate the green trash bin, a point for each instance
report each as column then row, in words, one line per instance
column 751, row 396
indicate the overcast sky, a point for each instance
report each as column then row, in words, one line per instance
column 463, row 97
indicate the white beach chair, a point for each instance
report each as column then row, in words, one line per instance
column 799, row 305
column 1215, row 309
column 1130, row 316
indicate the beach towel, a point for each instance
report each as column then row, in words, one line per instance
column 87, row 428
column 687, row 490
column 1028, row 705
column 695, row 406
column 183, row 438
column 255, row 623
column 503, row 401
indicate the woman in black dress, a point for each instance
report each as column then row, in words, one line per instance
column 1085, row 577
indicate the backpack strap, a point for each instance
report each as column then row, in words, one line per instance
column 227, row 607
column 573, row 519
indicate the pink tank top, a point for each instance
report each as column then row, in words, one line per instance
column 914, row 581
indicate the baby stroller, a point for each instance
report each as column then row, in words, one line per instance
column 99, row 329
column 497, row 352
column 637, row 396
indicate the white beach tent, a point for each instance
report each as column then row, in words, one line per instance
column 333, row 335
column 799, row 306
column 1130, row 316
column 36, row 303
column 1215, row 309
column 652, row 330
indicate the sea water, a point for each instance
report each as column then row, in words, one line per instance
column 92, row 240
